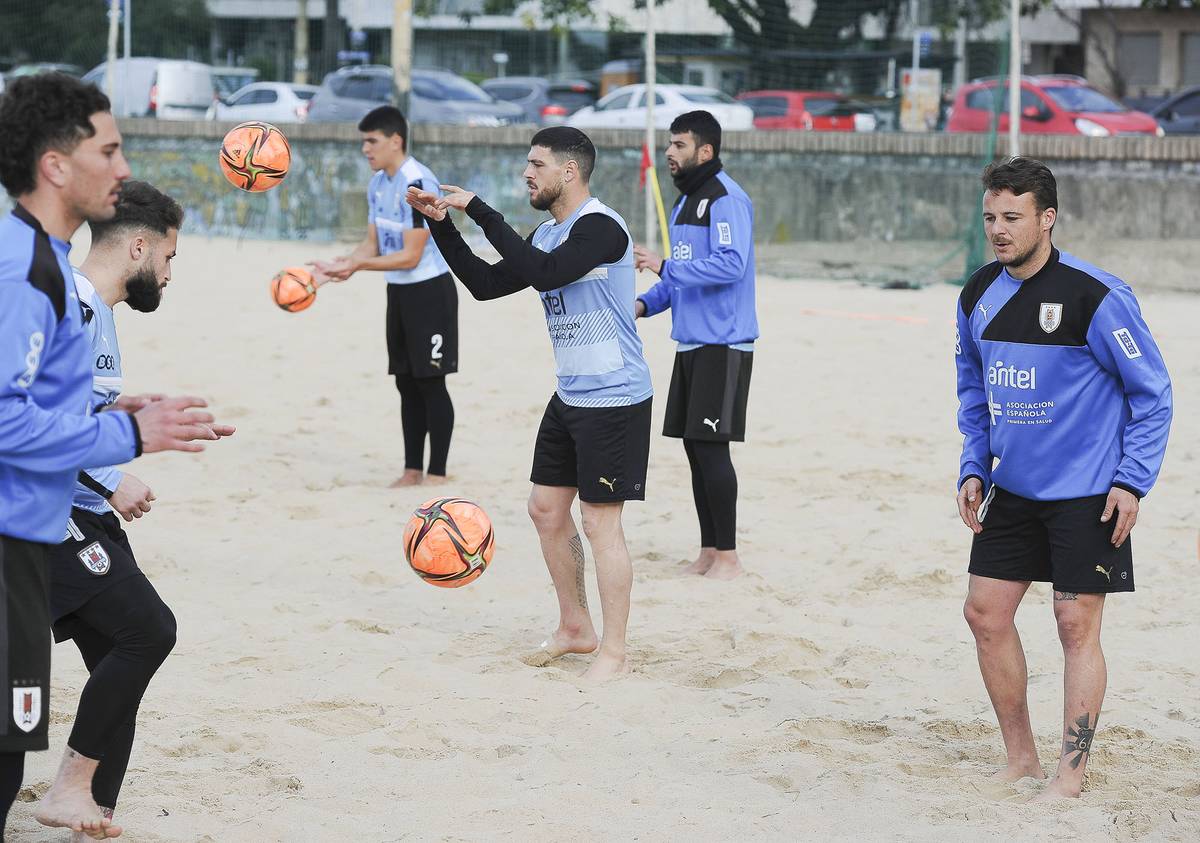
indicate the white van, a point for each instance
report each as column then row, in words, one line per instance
column 169, row 89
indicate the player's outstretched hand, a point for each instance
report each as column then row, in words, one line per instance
column 455, row 197
column 427, row 203
column 174, row 424
column 131, row 499
column 970, row 496
column 338, row 269
column 643, row 258
column 1125, row 504
column 133, row 403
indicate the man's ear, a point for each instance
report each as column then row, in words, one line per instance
column 1049, row 216
column 137, row 247
column 54, row 167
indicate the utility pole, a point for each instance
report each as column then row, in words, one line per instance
column 651, row 72
column 300, row 60
column 113, row 30
column 332, row 36
column 1014, row 80
column 402, row 38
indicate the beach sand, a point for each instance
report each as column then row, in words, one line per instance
column 321, row 692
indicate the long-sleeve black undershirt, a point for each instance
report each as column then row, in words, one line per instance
column 594, row 240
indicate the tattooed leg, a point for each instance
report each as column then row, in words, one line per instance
column 1085, row 679
column 550, row 509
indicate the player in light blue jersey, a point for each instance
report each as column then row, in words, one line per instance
column 1065, row 407
column 99, row 597
column 594, row 439
column 422, row 301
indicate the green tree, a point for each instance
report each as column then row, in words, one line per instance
column 76, row 31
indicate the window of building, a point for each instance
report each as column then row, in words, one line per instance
column 1138, row 57
column 1191, row 58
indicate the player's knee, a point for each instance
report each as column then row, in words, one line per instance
column 544, row 515
column 985, row 621
column 159, row 635
column 1075, row 628
column 598, row 524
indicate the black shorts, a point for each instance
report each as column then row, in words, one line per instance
column 1060, row 542
column 25, row 651
column 95, row 556
column 601, row 451
column 710, row 388
column 422, row 328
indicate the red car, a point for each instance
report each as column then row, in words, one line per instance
column 1062, row 105
column 813, row 111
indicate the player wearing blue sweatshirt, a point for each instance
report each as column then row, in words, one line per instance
column 1065, row 407
column 594, row 439
column 708, row 284
column 60, row 159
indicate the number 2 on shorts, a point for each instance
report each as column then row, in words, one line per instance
column 436, row 342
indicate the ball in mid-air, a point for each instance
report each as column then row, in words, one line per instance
column 293, row 289
column 449, row 542
column 255, row 156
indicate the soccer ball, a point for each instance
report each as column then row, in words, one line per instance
column 255, row 156
column 449, row 542
column 293, row 289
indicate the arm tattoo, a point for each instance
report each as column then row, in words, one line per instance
column 1065, row 595
column 1079, row 739
column 576, row 545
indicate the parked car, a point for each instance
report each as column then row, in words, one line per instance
column 272, row 102
column 1180, row 114
column 437, row 96
column 168, row 89
column 812, row 111
column 545, row 102
column 1049, row 105
column 625, row 108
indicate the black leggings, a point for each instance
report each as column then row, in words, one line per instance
column 425, row 408
column 714, row 488
column 12, row 769
column 124, row 634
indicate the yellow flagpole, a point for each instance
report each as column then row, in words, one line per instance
column 652, row 175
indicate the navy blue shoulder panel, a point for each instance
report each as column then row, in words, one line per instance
column 44, row 271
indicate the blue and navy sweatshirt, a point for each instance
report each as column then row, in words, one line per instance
column 47, row 433
column 708, row 279
column 1062, row 390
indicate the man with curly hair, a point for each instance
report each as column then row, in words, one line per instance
column 61, row 160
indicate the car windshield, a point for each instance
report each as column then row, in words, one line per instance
column 825, row 107
column 449, row 88
column 1079, row 98
column 304, row 93
column 707, row 97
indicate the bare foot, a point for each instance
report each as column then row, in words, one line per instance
column 83, row 837
column 1016, row 771
column 703, row 562
column 435, row 480
column 1057, row 789
column 64, row 807
column 606, row 667
column 722, row 570
column 561, row 643
column 410, row 477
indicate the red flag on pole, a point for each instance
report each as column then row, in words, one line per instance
column 646, row 165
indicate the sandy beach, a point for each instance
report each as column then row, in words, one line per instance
column 321, row 692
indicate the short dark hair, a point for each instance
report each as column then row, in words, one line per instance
column 702, row 125
column 39, row 113
column 569, row 144
column 140, row 205
column 387, row 119
column 1023, row 175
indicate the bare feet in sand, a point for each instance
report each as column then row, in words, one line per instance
column 1016, row 771
column 410, row 477
column 560, row 643
column 606, row 667
column 1057, row 789
column 703, row 562
column 725, row 566
column 69, row 804
column 83, row 836
column 435, row 480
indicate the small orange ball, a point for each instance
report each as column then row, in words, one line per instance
column 449, row 542
column 255, row 156
column 293, row 289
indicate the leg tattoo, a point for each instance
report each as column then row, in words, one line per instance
column 1065, row 595
column 576, row 545
column 1079, row 739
